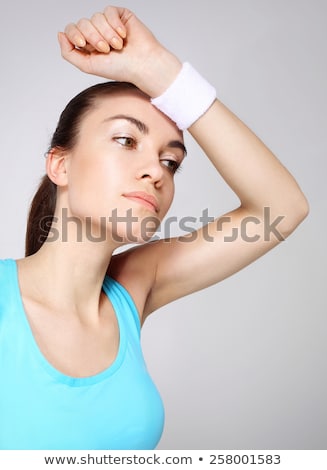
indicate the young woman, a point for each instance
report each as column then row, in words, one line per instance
column 73, row 375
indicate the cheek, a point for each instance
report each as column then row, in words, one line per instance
column 92, row 187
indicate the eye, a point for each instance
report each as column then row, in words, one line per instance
column 172, row 165
column 126, row 141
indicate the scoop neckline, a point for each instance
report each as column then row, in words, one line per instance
column 49, row 368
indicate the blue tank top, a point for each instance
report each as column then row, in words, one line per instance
column 41, row 408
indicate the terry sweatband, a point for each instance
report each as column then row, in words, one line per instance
column 187, row 98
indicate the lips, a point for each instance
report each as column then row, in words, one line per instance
column 144, row 198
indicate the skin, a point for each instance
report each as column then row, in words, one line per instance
column 117, row 157
column 77, row 331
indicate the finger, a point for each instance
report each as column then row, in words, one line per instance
column 115, row 17
column 71, row 54
column 85, row 29
column 74, row 35
column 106, row 31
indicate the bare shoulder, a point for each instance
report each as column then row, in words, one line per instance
column 135, row 269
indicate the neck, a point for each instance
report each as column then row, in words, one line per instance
column 68, row 276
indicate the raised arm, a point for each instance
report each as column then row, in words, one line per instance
column 271, row 203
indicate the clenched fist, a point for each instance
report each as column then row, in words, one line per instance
column 116, row 45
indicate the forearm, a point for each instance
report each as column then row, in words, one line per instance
column 248, row 166
column 242, row 159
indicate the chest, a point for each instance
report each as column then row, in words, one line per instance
column 40, row 408
column 109, row 405
column 72, row 347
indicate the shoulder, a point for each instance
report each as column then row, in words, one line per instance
column 135, row 269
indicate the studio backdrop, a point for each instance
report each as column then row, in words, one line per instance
column 241, row 364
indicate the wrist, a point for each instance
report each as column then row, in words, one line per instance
column 187, row 98
column 158, row 72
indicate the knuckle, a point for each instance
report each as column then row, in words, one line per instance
column 109, row 9
column 96, row 17
column 83, row 23
column 111, row 13
column 69, row 28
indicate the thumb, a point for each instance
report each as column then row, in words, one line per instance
column 65, row 45
column 70, row 53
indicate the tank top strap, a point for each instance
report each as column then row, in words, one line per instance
column 123, row 305
column 7, row 284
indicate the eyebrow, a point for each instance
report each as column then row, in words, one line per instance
column 143, row 128
column 139, row 124
column 177, row 144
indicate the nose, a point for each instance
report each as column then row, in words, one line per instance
column 151, row 169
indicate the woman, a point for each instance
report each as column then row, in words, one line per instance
column 71, row 310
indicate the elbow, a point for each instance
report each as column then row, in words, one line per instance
column 305, row 209
column 301, row 209
column 295, row 215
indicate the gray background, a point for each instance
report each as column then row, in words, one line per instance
column 242, row 364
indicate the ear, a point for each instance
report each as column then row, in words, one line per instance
column 56, row 167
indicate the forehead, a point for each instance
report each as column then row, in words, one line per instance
column 134, row 104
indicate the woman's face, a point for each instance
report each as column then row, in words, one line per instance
column 121, row 171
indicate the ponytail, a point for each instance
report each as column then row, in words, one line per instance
column 40, row 216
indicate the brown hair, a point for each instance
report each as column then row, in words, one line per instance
column 43, row 205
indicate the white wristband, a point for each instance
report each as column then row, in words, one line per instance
column 187, row 98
